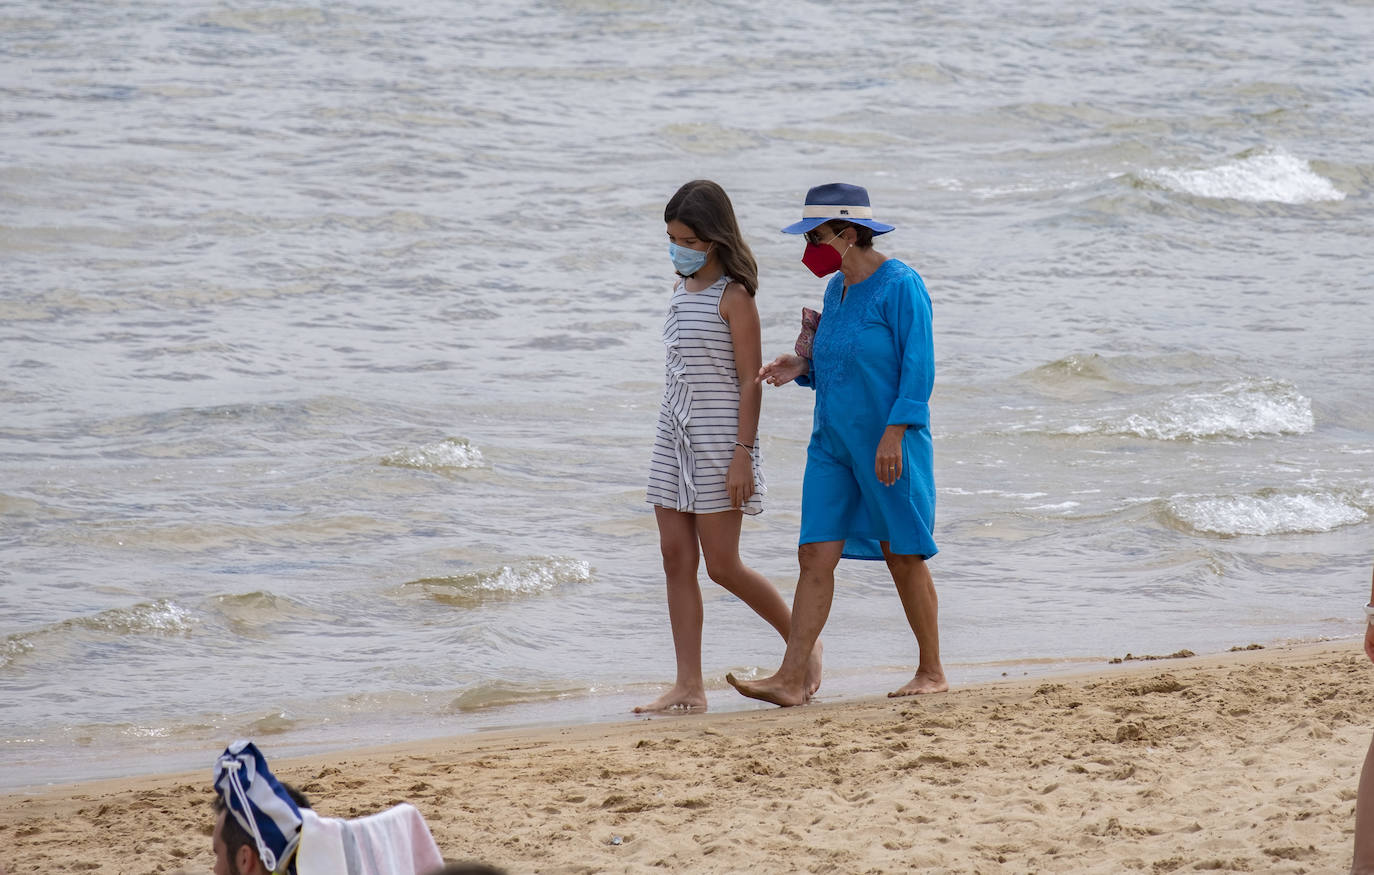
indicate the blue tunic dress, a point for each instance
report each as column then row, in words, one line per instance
column 873, row 365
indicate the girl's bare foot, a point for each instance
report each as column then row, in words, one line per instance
column 676, row 699
column 921, row 684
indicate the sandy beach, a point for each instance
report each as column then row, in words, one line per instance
column 1244, row 762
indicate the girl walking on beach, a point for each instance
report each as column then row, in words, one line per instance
column 705, row 473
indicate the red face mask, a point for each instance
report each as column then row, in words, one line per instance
column 822, row 258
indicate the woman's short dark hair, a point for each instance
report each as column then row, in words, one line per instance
column 863, row 235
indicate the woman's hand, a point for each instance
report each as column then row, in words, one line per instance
column 888, row 462
column 783, row 369
column 739, row 480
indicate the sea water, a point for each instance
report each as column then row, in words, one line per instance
column 331, row 347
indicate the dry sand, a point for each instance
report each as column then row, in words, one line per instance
column 1246, row 762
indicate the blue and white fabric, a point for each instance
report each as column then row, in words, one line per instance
column 260, row 804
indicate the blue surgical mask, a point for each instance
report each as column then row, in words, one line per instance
column 687, row 261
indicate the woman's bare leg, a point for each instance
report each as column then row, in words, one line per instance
column 919, row 602
column 810, row 610
column 677, row 539
column 719, row 535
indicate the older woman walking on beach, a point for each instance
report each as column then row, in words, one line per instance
column 869, row 487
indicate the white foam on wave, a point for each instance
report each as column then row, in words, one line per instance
column 530, row 577
column 535, row 576
column 13, row 648
column 161, row 617
column 1061, row 506
column 447, row 453
column 1267, row 177
column 1248, row 409
column 1266, row 513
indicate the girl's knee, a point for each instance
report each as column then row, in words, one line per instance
column 679, row 559
column 723, row 573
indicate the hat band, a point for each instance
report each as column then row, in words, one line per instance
column 831, row 211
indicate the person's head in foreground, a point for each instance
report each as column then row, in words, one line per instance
column 257, row 818
column 836, row 218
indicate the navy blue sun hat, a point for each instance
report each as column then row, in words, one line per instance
column 836, row 200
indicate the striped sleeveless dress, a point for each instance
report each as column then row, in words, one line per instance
column 699, row 416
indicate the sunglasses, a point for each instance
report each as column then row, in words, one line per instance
column 814, row 235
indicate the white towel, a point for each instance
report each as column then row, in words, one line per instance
column 391, row 842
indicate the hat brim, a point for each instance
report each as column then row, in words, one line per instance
column 816, row 221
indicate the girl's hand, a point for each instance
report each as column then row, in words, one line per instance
column 1369, row 641
column 783, row 369
column 739, row 480
column 888, row 462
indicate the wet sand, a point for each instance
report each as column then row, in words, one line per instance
column 1245, row 762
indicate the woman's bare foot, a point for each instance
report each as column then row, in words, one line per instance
column 813, row 671
column 676, row 699
column 921, row 684
column 769, row 690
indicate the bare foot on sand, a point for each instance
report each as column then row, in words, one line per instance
column 676, row 699
column 769, row 690
column 813, row 672
column 922, row 684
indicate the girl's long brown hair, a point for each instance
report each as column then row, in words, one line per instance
column 704, row 207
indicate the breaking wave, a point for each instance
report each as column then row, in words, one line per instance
column 1274, row 177
column 162, row 617
column 1264, row 513
column 1246, row 409
column 449, row 453
column 522, row 579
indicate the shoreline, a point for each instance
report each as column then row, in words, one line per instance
column 1244, row 761
column 843, row 687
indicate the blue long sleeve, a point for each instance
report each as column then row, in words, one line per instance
column 911, row 320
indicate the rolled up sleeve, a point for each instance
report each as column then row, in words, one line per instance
column 911, row 325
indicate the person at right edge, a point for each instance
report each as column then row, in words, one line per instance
column 1364, row 804
column 869, row 487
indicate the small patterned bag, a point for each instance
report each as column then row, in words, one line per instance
column 811, row 320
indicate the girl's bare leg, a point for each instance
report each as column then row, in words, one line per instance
column 677, row 539
column 719, row 535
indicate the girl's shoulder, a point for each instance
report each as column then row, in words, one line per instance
column 732, row 286
column 735, row 298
